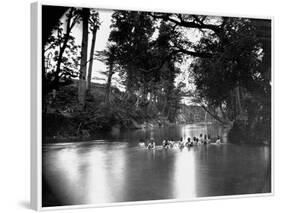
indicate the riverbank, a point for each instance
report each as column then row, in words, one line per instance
column 68, row 129
column 144, row 131
column 63, row 121
column 66, row 125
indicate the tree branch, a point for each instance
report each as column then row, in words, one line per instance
column 174, row 52
column 212, row 114
column 192, row 53
column 188, row 24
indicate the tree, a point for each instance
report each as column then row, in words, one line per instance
column 94, row 26
column 83, row 64
column 163, row 78
column 109, row 57
column 147, row 61
column 203, row 24
column 61, row 45
column 131, row 32
column 231, row 85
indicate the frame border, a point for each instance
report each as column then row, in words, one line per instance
column 36, row 107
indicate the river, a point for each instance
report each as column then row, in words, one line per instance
column 114, row 168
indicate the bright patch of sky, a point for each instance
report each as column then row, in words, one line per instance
column 101, row 40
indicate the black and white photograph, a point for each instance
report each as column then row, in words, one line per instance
column 153, row 106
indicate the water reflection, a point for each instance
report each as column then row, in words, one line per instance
column 116, row 170
column 184, row 176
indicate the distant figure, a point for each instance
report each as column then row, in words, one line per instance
column 171, row 143
column 194, row 141
column 165, row 144
column 181, row 143
column 197, row 141
column 186, row 143
column 201, row 141
column 151, row 144
column 208, row 139
column 205, row 139
column 218, row 141
column 189, row 142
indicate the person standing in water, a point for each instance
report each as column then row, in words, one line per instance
column 218, row 141
column 208, row 139
column 194, row 141
column 205, row 139
column 181, row 143
column 201, row 140
column 189, row 142
column 151, row 144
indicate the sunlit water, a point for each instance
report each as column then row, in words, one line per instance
column 117, row 169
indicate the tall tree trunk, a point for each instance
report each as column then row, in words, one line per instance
column 59, row 61
column 129, row 81
column 89, row 77
column 83, row 63
column 108, row 85
column 164, row 105
column 238, row 100
column 71, row 20
column 44, row 84
column 62, row 49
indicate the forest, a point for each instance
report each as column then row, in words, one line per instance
column 228, row 61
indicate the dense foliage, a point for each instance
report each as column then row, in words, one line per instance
column 233, row 78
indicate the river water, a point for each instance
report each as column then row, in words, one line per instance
column 114, row 168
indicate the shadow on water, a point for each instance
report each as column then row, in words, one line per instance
column 116, row 169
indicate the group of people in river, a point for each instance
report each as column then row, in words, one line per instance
column 189, row 142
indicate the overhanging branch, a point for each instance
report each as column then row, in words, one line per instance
column 174, row 52
column 188, row 24
column 193, row 53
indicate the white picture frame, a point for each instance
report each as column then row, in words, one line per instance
column 36, row 121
